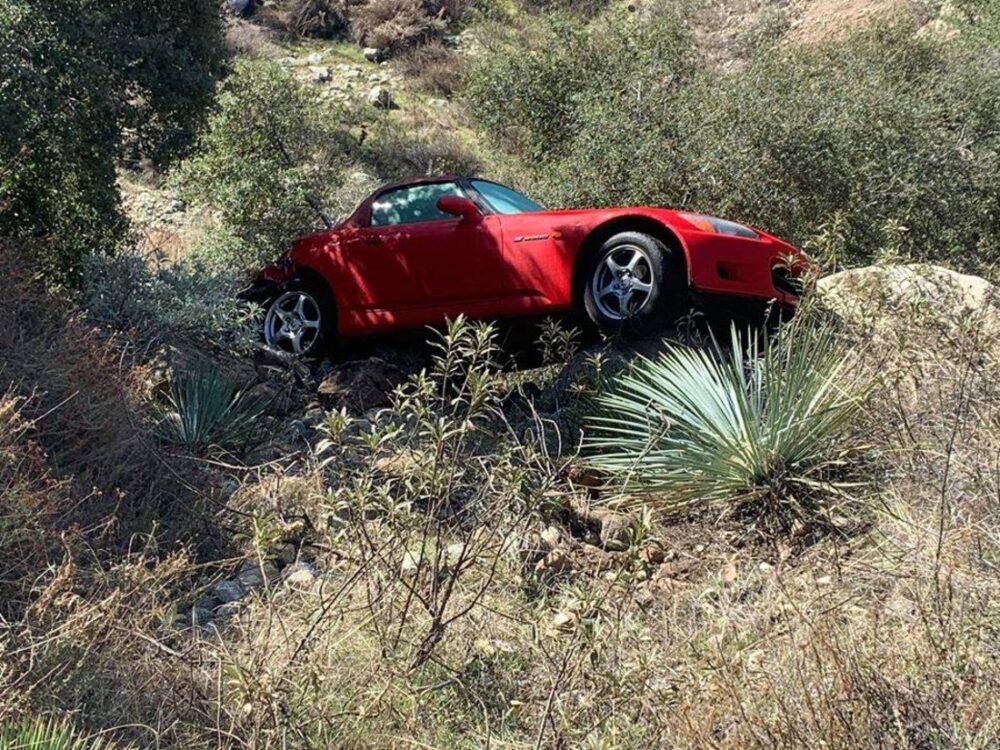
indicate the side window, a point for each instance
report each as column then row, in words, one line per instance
column 410, row 205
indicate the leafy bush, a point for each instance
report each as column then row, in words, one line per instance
column 320, row 18
column 204, row 406
column 189, row 299
column 270, row 157
column 394, row 25
column 45, row 735
column 142, row 71
column 757, row 426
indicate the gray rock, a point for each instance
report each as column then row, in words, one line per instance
column 253, row 575
column 287, row 554
column 227, row 591
column 617, row 530
column 372, row 54
column 315, row 58
column 380, row 97
column 320, row 75
column 240, row 7
column 438, row 103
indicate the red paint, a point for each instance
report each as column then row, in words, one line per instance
column 504, row 265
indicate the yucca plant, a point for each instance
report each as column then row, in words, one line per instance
column 36, row 734
column 757, row 425
column 204, row 406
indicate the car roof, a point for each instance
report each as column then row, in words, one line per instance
column 422, row 181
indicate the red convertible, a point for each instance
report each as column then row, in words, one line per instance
column 418, row 252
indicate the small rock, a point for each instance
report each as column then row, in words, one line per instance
column 824, row 580
column 458, row 552
column 438, row 103
column 315, row 58
column 200, row 615
column 380, row 97
column 372, row 54
column 177, row 205
column 550, row 537
column 253, row 575
column 225, row 611
column 320, row 75
column 617, row 530
column 410, row 564
column 227, row 591
column 653, row 555
column 564, row 621
column 314, row 417
column 287, row 555
column 302, row 575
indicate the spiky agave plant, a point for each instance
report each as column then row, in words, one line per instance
column 204, row 406
column 755, row 426
column 35, row 734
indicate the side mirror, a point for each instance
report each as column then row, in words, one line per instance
column 456, row 205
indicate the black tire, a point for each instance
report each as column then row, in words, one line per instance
column 663, row 303
column 322, row 299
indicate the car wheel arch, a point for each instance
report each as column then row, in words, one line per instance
column 603, row 232
column 314, row 278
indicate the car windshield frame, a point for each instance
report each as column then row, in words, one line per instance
column 527, row 204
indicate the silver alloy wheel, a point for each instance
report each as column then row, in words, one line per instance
column 292, row 323
column 622, row 283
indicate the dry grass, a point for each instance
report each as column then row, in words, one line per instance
column 465, row 598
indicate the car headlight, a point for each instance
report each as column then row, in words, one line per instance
column 720, row 226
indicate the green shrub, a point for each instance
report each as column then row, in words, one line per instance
column 758, row 426
column 204, row 406
column 188, row 300
column 268, row 160
column 77, row 77
column 885, row 141
column 36, row 734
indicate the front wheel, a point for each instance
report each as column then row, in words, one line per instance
column 634, row 283
column 298, row 319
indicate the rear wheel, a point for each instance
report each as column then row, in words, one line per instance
column 634, row 283
column 298, row 319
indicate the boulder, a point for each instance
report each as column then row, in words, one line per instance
column 227, row 591
column 882, row 294
column 360, row 385
column 373, row 54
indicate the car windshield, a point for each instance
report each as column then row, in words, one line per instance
column 503, row 200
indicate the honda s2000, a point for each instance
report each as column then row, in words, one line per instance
column 419, row 252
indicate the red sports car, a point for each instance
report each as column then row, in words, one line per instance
column 418, row 252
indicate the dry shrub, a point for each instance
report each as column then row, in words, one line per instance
column 397, row 154
column 319, row 18
column 394, row 25
column 82, row 402
column 434, row 68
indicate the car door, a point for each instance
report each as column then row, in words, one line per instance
column 415, row 265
